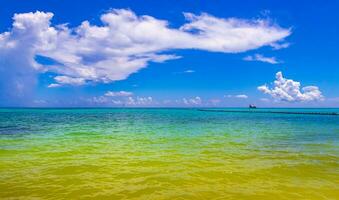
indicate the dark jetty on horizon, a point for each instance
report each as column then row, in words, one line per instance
column 273, row 112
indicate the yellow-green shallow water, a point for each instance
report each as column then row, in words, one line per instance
column 166, row 154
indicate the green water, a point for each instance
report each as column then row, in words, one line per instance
column 167, row 154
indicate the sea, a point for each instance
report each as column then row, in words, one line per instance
column 168, row 153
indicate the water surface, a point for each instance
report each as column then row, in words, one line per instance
column 167, row 154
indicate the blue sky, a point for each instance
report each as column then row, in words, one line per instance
column 188, row 53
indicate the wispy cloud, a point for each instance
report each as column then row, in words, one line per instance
column 261, row 58
column 240, row 96
column 278, row 46
column 189, row 71
column 118, row 94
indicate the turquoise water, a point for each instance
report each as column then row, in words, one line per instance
column 167, row 154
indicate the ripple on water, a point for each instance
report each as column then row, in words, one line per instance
column 166, row 154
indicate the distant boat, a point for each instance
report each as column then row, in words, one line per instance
column 252, row 106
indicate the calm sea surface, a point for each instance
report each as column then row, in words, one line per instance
column 167, row 154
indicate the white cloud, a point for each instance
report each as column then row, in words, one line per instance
column 240, row 96
column 18, row 47
column 261, row 58
column 66, row 80
column 99, row 100
column 189, row 71
column 53, row 85
column 39, row 102
column 117, row 102
column 139, row 101
column 192, row 101
column 123, row 44
column 121, row 98
column 118, row 94
column 289, row 90
column 278, row 46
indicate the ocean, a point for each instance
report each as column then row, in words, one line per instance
column 159, row 153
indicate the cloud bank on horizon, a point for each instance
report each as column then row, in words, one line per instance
column 123, row 44
column 284, row 90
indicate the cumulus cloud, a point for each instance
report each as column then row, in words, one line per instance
column 121, row 45
column 289, row 90
column 118, row 94
column 18, row 47
column 261, row 58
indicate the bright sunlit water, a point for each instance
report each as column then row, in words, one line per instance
column 167, row 154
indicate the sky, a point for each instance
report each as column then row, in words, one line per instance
column 58, row 53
